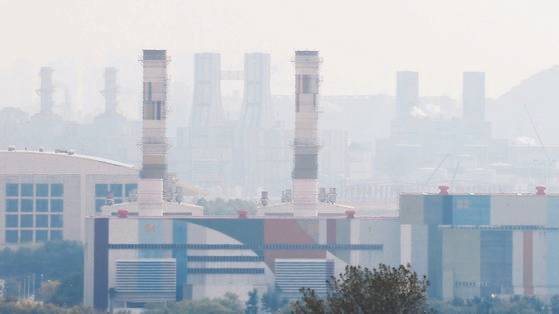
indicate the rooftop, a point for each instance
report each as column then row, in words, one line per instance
column 65, row 154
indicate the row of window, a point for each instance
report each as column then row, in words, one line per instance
column 39, row 205
column 274, row 246
column 22, row 236
column 225, row 270
column 30, row 190
column 41, row 221
column 106, row 194
column 117, row 190
column 223, row 258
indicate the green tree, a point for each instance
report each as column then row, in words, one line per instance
column 360, row 290
column 228, row 304
column 70, row 291
column 554, row 304
column 60, row 261
column 220, row 207
column 492, row 305
column 251, row 305
column 30, row 307
column 48, row 290
column 272, row 300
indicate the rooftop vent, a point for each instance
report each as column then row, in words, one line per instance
column 443, row 190
column 264, row 198
column 243, row 214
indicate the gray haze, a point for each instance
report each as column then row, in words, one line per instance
column 363, row 42
column 373, row 134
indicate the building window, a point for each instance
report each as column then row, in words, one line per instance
column 116, row 189
column 130, row 189
column 42, row 205
column 26, row 221
column 56, row 221
column 27, row 189
column 57, row 190
column 116, row 192
column 55, row 235
column 42, row 190
column 56, row 205
column 11, row 221
column 101, row 190
column 26, row 236
column 41, row 221
column 99, row 203
column 11, row 205
column 26, row 205
column 20, row 198
column 11, row 236
column 12, row 189
column 41, row 236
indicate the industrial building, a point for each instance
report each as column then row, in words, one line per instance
column 209, row 256
column 478, row 245
column 47, row 195
column 200, row 257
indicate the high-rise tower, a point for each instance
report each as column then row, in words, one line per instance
column 207, row 109
column 154, row 143
column 407, row 93
column 46, row 90
column 473, row 96
column 110, row 91
column 305, row 160
column 257, row 93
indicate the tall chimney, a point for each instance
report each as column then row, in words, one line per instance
column 305, row 161
column 473, row 96
column 46, row 90
column 110, row 90
column 407, row 93
column 154, row 142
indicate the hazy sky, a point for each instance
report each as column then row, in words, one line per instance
column 363, row 43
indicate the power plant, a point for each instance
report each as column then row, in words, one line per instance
column 139, row 221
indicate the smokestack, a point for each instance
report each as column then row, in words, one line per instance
column 207, row 109
column 473, row 96
column 46, row 90
column 407, row 93
column 305, row 168
column 154, row 142
column 110, row 91
column 257, row 93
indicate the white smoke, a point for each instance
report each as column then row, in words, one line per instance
column 525, row 141
column 426, row 111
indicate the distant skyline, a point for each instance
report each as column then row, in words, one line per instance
column 363, row 43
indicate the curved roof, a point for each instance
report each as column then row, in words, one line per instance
column 36, row 162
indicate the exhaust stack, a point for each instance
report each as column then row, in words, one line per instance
column 47, row 90
column 110, row 91
column 154, row 141
column 305, row 161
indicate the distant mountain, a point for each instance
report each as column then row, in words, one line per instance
column 536, row 97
